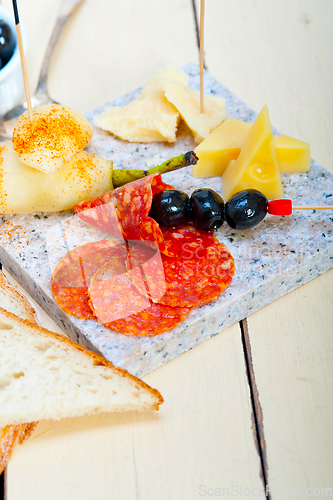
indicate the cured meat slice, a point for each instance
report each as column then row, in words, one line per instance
column 71, row 277
column 112, row 295
column 155, row 319
column 151, row 283
column 196, row 276
column 125, row 212
column 178, row 238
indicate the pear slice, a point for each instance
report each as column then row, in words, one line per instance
column 25, row 190
column 52, row 139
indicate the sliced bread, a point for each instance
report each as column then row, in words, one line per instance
column 14, row 301
column 44, row 375
column 10, row 436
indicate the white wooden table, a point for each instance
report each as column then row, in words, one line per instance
column 267, row 381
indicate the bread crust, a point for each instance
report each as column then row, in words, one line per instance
column 97, row 359
column 11, row 435
column 18, row 297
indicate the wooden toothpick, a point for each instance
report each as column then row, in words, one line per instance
column 285, row 207
column 202, row 20
column 312, row 207
column 23, row 65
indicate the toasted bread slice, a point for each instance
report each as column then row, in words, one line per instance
column 10, row 436
column 44, row 375
column 14, row 301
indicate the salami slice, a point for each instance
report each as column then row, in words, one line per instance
column 112, row 295
column 196, row 276
column 151, row 283
column 140, row 289
column 71, row 277
column 125, row 211
column 155, row 319
column 178, row 238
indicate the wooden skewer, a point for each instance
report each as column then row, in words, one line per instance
column 285, row 207
column 23, row 65
column 202, row 19
column 312, row 207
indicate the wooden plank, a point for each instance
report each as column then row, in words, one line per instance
column 203, row 435
column 200, row 440
column 292, row 348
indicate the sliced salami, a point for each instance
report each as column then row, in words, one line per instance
column 71, row 277
column 179, row 238
column 146, row 288
column 155, row 319
column 112, row 295
column 196, row 276
column 125, row 211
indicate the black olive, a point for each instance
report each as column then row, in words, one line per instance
column 170, row 208
column 7, row 42
column 206, row 209
column 246, row 209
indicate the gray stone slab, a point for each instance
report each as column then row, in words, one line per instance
column 271, row 259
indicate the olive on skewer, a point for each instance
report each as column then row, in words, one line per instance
column 170, row 207
column 246, row 209
column 207, row 210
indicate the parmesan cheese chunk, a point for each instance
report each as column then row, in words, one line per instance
column 172, row 73
column 150, row 118
column 187, row 102
column 154, row 115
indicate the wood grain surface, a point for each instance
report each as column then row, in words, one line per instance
column 218, row 404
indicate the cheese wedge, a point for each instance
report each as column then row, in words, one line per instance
column 25, row 190
column 292, row 155
column 220, row 147
column 256, row 167
column 187, row 102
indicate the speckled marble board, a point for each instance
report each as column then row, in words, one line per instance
column 271, row 259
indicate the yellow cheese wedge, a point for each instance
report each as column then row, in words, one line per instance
column 220, row 147
column 256, row 167
column 187, row 102
column 292, row 155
